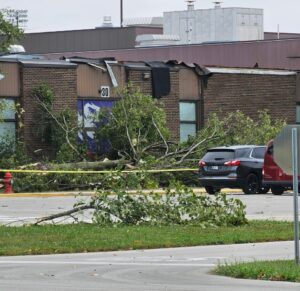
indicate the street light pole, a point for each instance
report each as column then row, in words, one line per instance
column 18, row 17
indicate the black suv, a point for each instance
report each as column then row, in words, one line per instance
column 233, row 167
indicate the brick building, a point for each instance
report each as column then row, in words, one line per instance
column 84, row 86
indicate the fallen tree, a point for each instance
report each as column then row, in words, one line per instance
column 177, row 206
column 137, row 132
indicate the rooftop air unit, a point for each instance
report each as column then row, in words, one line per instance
column 107, row 21
column 217, row 4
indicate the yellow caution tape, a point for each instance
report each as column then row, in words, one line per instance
column 96, row 172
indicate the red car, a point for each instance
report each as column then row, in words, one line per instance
column 273, row 176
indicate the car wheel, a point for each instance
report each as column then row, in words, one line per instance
column 277, row 190
column 212, row 190
column 264, row 190
column 251, row 184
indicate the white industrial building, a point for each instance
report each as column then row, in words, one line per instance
column 218, row 24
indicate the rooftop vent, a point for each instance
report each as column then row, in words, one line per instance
column 144, row 21
column 190, row 4
column 146, row 40
column 16, row 49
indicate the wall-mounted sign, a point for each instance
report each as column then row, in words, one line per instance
column 104, row 92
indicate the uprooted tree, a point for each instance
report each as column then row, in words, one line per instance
column 136, row 128
column 138, row 136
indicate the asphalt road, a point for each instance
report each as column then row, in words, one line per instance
column 163, row 269
column 18, row 210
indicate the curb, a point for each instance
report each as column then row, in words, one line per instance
column 92, row 193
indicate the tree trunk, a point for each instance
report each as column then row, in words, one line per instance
column 98, row 165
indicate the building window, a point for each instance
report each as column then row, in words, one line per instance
column 7, row 120
column 298, row 113
column 188, row 120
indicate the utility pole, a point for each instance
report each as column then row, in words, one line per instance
column 121, row 13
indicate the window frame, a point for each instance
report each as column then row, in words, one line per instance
column 297, row 106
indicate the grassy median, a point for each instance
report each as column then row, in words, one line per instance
column 280, row 270
column 48, row 239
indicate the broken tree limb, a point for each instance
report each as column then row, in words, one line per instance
column 62, row 214
column 64, row 126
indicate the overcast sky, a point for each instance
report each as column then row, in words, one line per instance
column 52, row 15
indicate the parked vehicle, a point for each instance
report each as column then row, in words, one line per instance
column 237, row 166
column 273, row 176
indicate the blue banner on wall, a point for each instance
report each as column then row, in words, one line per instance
column 87, row 113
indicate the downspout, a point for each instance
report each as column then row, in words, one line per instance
column 203, row 74
column 20, row 136
column 201, row 107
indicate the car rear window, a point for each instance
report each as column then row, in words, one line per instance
column 258, row 153
column 219, row 155
column 243, row 153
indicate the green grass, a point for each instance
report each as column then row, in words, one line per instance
column 265, row 270
column 49, row 239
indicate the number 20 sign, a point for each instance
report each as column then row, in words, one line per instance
column 104, row 91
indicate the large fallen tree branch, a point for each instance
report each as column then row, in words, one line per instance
column 97, row 165
column 84, row 165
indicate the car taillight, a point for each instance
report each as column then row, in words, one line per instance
column 201, row 163
column 232, row 163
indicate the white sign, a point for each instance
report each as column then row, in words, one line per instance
column 286, row 156
column 283, row 148
column 105, row 92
